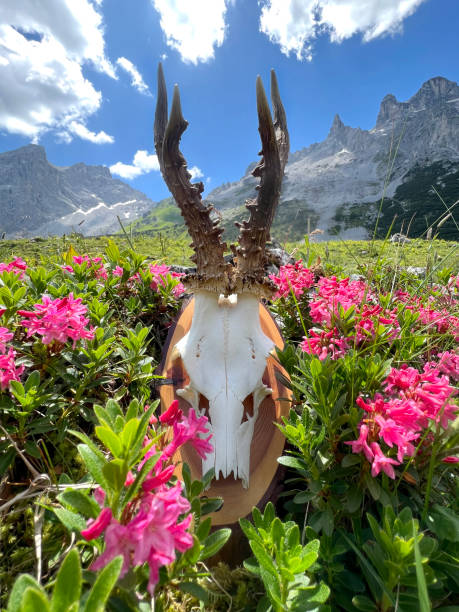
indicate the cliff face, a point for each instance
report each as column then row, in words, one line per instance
column 357, row 167
column 37, row 198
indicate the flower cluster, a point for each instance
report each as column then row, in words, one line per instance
column 8, row 369
column 325, row 343
column 17, row 266
column 160, row 272
column 292, row 277
column 353, row 301
column 413, row 400
column 95, row 263
column 58, row 320
column 152, row 527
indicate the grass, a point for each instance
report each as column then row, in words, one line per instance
column 173, row 246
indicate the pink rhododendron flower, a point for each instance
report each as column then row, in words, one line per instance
column 362, row 443
column 8, row 369
column 17, row 266
column 172, row 414
column 188, row 429
column 413, row 400
column 292, row 277
column 118, row 271
column 97, row 527
column 451, row 459
column 151, row 533
column 160, row 272
column 58, row 320
column 381, row 462
column 152, row 526
column 324, row 344
column 449, row 364
column 5, row 336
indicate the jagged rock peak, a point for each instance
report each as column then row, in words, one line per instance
column 28, row 151
column 337, row 126
column 437, row 89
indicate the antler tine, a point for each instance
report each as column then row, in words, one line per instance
column 280, row 122
column 211, row 268
column 254, row 233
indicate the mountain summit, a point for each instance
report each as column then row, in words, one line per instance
column 38, row 198
column 337, row 184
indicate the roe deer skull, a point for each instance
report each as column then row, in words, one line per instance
column 225, row 351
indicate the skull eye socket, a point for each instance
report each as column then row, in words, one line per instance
column 204, row 405
column 248, row 407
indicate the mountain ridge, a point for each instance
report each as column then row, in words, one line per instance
column 354, row 166
column 399, row 167
column 40, row 198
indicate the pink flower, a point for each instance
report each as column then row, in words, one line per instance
column 17, row 266
column 160, row 478
column 8, row 369
column 151, row 533
column 97, row 527
column 449, row 364
column 58, row 320
column 451, row 459
column 171, row 415
column 5, row 336
column 160, row 274
column 381, row 462
column 118, row 271
column 188, row 429
column 324, row 344
column 362, row 444
column 294, row 278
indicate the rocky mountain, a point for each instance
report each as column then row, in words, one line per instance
column 38, row 198
column 404, row 167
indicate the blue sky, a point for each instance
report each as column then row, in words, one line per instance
column 79, row 76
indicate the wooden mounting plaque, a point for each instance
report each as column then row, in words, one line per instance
column 267, row 443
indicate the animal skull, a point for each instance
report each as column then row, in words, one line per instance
column 225, row 350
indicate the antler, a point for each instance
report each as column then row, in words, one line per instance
column 254, row 233
column 211, row 268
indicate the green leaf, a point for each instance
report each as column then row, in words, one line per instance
column 263, row 558
column 293, row 462
column 210, row 504
column 203, row 529
column 444, row 522
column 114, row 475
column 103, row 586
column 34, row 600
column 110, row 439
column 214, row 542
column 373, row 487
column 72, row 521
column 68, row 583
column 349, row 460
column 94, row 464
column 129, row 432
column 361, row 602
column 195, row 590
column 23, row 582
column 82, row 502
column 423, row 595
column 6, row 459
column 369, row 568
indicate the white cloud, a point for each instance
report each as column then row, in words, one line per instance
column 136, row 78
column 193, row 28
column 294, row 24
column 43, row 46
column 82, row 131
column 195, row 172
column 142, row 163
